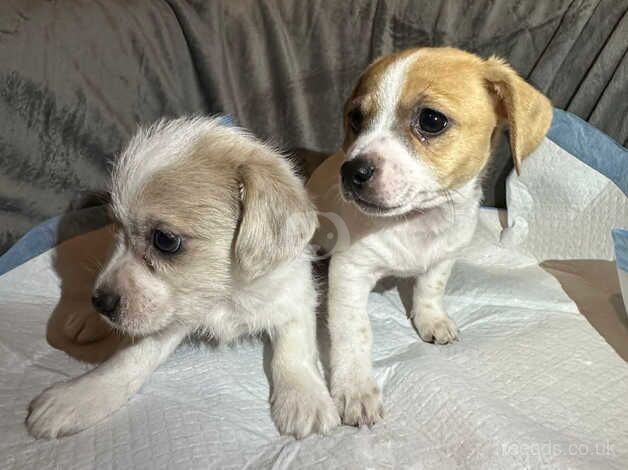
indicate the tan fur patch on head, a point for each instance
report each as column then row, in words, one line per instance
column 451, row 82
column 199, row 188
column 198, row 199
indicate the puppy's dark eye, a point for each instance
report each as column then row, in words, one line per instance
column 430, row 122
column 356, row 120
column 166, row 242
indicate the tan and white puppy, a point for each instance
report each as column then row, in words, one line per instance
column 212, row 235
column 419, row 129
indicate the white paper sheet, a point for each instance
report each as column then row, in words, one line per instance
column 530, row 385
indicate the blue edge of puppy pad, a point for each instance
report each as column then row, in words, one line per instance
column 568, row 131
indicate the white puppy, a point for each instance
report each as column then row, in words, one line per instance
column 419, row 128
column 212, row 232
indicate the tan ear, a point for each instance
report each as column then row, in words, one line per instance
column 277, row 220
column 525, row 110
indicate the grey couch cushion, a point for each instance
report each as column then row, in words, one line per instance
column 76, row 78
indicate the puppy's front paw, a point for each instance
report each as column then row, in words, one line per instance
column 359, row 405
column 303, row 410
column 439, row 330
column 66, row 408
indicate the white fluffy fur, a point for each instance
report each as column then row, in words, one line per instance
column 280, row 302
column 389, row 93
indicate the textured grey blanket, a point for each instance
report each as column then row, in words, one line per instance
column 77, row 77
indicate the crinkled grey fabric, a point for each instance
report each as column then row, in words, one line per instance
column 77, row 77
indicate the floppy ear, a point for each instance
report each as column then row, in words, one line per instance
column 277, row 218
column 526, row 111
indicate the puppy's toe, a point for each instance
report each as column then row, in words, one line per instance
column 360, row 406
column 439, row 330
column 327, row 417
column 301, row 411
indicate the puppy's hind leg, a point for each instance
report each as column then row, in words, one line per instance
column 300, row 402
column 428, row 314
column 69, row 407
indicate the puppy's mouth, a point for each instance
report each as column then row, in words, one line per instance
column 415, row 204
column 370, row 207
column 133, row 324
column 136, row 328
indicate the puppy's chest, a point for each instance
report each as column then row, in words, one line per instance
column 406, row 254
column 412, row 248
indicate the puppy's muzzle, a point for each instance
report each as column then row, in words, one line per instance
column 356, row 174
column 106, row 303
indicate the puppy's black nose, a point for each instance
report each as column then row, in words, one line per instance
column 356, row 173
column 105, row 302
